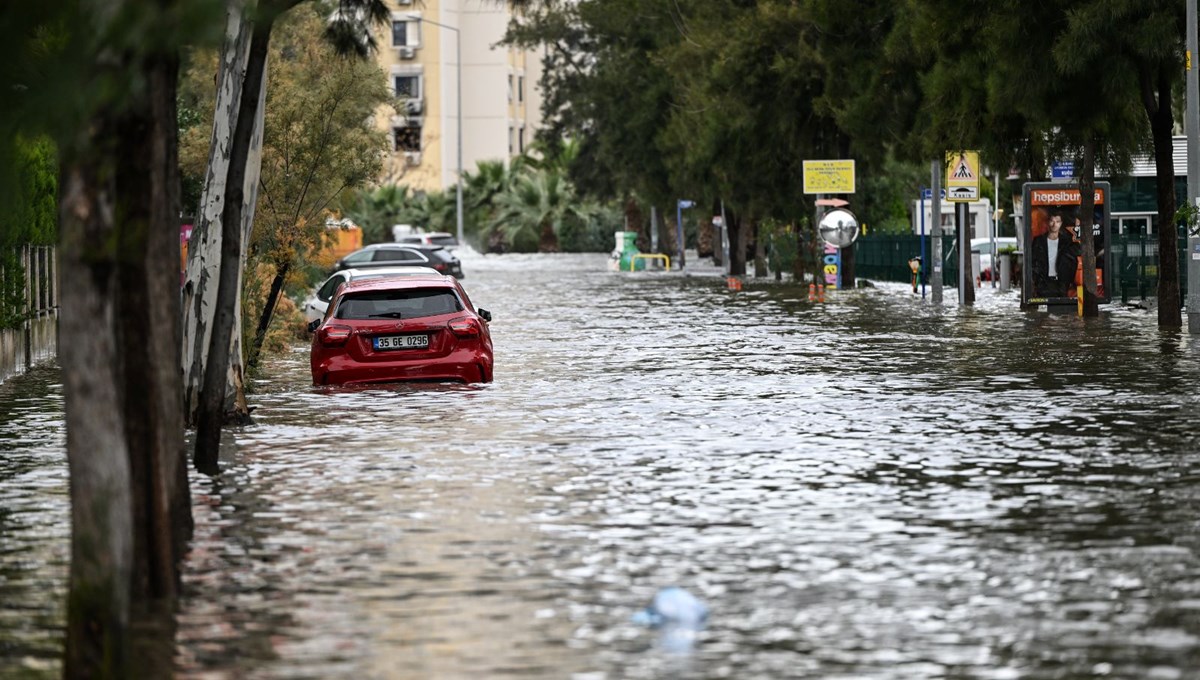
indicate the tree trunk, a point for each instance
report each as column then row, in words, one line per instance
column 848, row 274
column 737, row 244
column 204, row 249
column 718, row 248
column 800, row 264
column 97, row 452
column 264, row 319
column 760, row 251
column 1087, row 205
column 548, row 238
column 635, row 221
column 705, row 238
column 212, row 394
column 1162, row 124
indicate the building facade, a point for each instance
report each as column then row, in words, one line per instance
column 501, row 103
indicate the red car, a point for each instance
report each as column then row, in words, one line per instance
column 396, row 329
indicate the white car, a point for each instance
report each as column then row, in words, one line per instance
column 983, row 246
column 318, row 302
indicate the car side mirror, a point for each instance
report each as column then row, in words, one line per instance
column 314, row 325
column 485, row 315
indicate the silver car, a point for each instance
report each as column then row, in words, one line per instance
column 318, row 302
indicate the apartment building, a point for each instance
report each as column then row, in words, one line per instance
column 501, row 104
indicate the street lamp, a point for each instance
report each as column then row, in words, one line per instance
column 458, row 196
column 679, row 206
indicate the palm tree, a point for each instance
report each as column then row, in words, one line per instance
column 537, row 203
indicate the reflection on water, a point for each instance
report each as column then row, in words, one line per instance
column 873, row 487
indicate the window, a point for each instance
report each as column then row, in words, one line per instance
column 510, row 88
column 400, row 304
column 520, row 88
column 397, row 255
column 407, row 138
column 330, row 287
column 399, row 33
column 408, row 86
column 521, row 140
column 360, row 256
column 511, row 146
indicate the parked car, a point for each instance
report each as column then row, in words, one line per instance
column 316, row 303
column 402, row 328
column 433, row 238
column 983, row 246
column 400, row 255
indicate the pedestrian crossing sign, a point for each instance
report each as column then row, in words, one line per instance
column 962, row 172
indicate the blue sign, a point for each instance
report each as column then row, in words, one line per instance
column 1062, row 170
column 927, row 194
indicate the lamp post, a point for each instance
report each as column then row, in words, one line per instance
column 1192, row 126
column 458, row 195
column 679, row 206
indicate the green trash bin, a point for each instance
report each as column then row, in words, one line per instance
column 626, row 249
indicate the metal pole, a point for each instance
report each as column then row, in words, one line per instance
column 679, row 230
column 936, row 232
column 458, row 198
column 458, row 191
column 725, row 237
column 924, row 262
column 995, row 228
column 653, row 229
column 1192, row 127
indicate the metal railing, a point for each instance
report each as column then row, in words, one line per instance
column 28, row 307
column 1134, row 262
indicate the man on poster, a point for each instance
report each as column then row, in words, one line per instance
column 1054, row 259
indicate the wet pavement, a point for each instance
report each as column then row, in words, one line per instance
column 868, row 488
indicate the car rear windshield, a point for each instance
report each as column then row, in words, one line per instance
column 444, row 241
column 440, row 255
column 398, row 304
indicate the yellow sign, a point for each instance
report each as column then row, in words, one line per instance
column 962, row 176
column 828, row 177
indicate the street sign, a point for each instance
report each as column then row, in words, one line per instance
column 828, row 177
column 962, row 173
column 1062, row 170
column 963, row 194
column 927, row 194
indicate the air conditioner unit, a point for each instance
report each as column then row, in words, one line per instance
column 406, row 52
column 414, row 106
column 412, row 157
column 404, row 2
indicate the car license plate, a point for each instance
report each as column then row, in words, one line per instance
column 402, row 342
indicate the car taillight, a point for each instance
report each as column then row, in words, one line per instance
column 464, row 328
column 440, row 266
column 334, row 336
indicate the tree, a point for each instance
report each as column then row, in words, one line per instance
column 347, row 30
column 119, row 329
column 317, row 144
column 536, row 204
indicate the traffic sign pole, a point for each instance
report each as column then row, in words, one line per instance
column 935, row 274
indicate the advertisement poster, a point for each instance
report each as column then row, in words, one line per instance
column 833, row 266
column 1053, row 254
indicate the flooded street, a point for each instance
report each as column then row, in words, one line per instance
column 869, row 488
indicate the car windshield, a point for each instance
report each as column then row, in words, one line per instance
column 398, row 304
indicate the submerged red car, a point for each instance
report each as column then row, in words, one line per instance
column 413, row 328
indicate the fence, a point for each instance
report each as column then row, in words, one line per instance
column 1134, row 262
column 28, row 308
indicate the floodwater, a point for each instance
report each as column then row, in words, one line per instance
column 869, row 488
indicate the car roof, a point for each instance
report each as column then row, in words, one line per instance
column 376, row 272
column 398, row 283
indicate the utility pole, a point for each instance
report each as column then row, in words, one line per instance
column 935, row 201
column 1192, row 126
